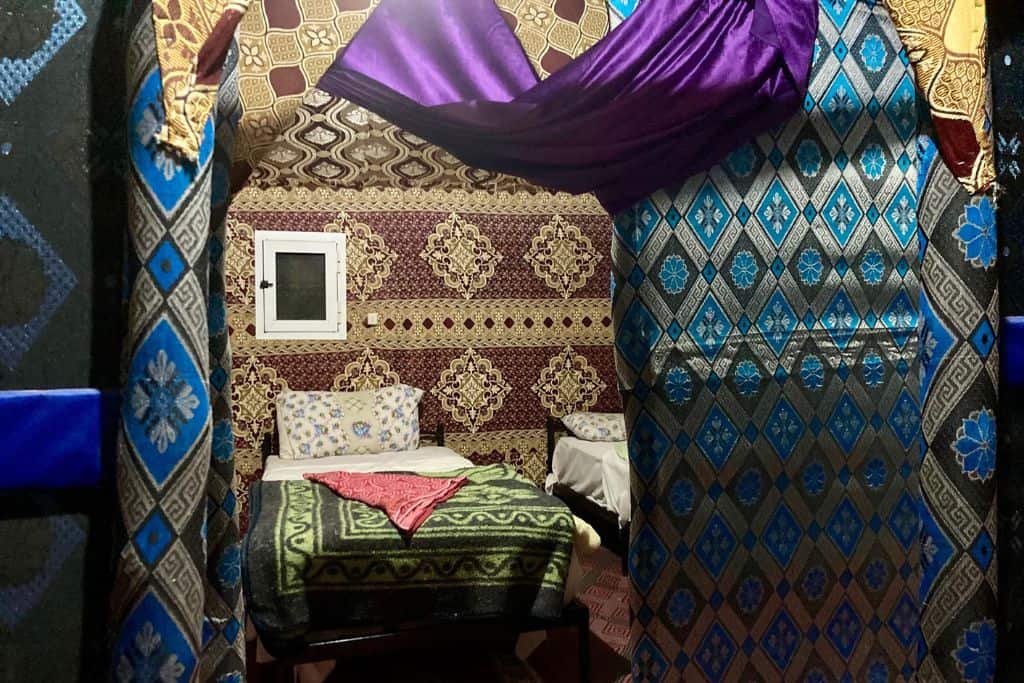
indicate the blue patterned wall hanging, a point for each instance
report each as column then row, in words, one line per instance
column 960, row 370
column 224, row 614
column 178, row 606
column 767, row 322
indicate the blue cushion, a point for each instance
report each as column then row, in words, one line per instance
column 1012, row 337
column 56, row 439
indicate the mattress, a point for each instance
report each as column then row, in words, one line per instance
column 598, row 470
column 428, row 459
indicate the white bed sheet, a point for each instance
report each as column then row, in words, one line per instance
column 428, row 459
column 593, row 469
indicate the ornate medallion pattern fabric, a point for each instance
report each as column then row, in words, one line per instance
column 286, row 47
column 946, row 41
column 497, row 330
column 194, row 35
column 334, row 143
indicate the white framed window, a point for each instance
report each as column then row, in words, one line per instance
column 300, row 285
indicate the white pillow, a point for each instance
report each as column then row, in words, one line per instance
column 597, row 426
column 317, row 424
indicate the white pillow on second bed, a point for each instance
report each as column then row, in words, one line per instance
column 597, row 426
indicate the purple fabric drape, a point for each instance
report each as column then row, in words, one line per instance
column 666, row 94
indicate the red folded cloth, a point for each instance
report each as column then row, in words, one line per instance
column 407, row 499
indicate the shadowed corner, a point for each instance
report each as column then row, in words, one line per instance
column 107, row 168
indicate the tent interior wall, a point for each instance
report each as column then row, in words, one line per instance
column 524, row 307
column 812, row 341
column 62, row 227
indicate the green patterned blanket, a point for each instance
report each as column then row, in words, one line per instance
column 314, row 561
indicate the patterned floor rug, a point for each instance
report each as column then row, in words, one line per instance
column 607, row 596
column 606, row 593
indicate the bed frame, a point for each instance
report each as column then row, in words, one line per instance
column 604, row 521
column 420, row 636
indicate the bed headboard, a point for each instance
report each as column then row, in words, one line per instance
column 272, row 444
column 555, row 429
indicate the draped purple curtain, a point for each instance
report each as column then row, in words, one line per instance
column 666, row 94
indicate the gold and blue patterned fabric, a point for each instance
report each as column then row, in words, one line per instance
column 222, row 647
column 620, row 9
column 177, row 606
column 959, row 376
column 766, row 317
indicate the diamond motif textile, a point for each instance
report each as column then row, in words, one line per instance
column 177, row 606
column 766, row 317
column 959, row 583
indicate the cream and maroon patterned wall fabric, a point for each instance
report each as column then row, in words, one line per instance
column 335, row 143
column 495, row 305
column 493, row 294
column 287, row 45
column 284, row 48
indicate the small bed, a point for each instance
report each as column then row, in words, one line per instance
column 592, row 478
column 326, row 577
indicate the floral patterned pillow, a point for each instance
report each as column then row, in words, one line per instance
column 597, row 426
column 317, row 424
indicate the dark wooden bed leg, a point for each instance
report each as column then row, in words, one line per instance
column 583, row 632
column 282, row 672
column 551, row 427
column 624, row 544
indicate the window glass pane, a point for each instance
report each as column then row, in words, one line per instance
column 300, row 288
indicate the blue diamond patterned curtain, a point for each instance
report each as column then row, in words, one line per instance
column 767, row 333
column 177, row 604
column 959, row 375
